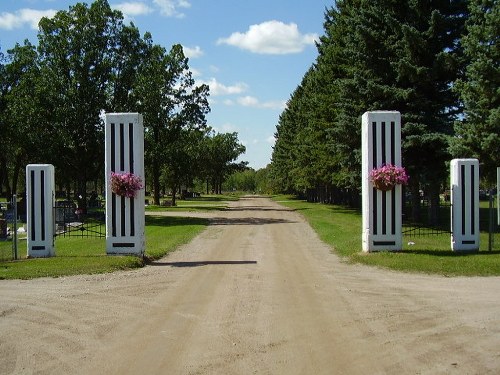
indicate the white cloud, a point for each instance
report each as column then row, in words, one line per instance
column 192, row 53
column 131, row 9
column 170, row 8
column 271, row 140
column 217, row 88
column 26, row 16
column 250, row 101
column 271, row 37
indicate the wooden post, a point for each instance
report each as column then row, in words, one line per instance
column 382, row 211
column 124, row 154
column 464, row 182
column 40, row 210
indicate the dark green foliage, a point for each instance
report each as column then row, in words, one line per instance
column 88, row 62
column 479, row 132
column 374, row 55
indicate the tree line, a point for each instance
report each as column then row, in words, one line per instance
column 436, row 62
column 88, row 62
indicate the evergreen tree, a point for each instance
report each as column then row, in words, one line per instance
column 478, row 135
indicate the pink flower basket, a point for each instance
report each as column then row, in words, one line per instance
column 387, row 176
column 125, row 184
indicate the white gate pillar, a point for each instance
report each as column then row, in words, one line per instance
column 40, row 210
column 382, row 211
column 124, row 154
column 464, row 182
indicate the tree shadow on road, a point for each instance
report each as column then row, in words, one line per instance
column 202, row 263
column 248, row 221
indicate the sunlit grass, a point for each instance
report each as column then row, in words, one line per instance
column 340, row 227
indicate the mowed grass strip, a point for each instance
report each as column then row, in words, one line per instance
column 88, row 255
column 340, row 228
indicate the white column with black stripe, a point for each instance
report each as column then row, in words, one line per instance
column 464, row 182
column 382, row 210
column 40, row 196
column 124, row 147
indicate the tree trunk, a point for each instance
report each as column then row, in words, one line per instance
column 415, row 200
column 15, row 175
column 156, row 182
column 174, row 192
column 433, row 204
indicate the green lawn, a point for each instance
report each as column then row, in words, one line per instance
column 88, row 255
column 340, row 227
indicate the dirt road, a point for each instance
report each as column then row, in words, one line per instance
column 255, row 293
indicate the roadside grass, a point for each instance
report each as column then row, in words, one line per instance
column 340, row 227
column 88, row 255
column 202, row 203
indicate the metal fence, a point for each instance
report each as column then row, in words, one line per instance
column 73, row 222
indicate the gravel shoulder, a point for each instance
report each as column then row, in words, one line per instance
column 256, row 293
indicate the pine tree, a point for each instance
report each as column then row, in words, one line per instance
column 478, row 135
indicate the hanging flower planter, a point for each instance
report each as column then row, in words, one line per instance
column 386, row 177
column 125, row 184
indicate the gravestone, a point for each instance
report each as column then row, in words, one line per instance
column 464, row 182
column 382, row 211
column 124, row 146
column 40, row 210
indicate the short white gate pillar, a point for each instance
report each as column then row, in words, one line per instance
column 381, row 144
column 40, row 210
column 124, row 154
column 464, row 182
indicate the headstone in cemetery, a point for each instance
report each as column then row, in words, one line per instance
column 124, row 167
column 464, row 182
column 381, row 145
column 40, row 210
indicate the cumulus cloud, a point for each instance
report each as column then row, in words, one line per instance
column 250, row 101
column 192, row 53
column 217, row 88
column 131, row 9
column 271, row 140
column 271, row 37
column 170, row 8
column 22, row 17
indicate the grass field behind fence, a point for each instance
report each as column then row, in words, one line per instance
column 340, row 227
column 88, row 255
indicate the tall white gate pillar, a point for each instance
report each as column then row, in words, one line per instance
column 40, row 210
column 124, row 154
column 380, row 145
column 464, row 182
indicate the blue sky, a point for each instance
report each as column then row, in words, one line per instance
column 253, row 54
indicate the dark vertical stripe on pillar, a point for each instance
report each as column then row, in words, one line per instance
column 131, row 146
column 472, row 201
column 374, row 145
column 462, row 187
column 42, row 203
column 393, row 212
column 393, row 141
column 384, row 212
column 33, row 204
column 384, row 143
column 375, row 211
column 132, row 216
column 122, row 146
column 122, row 213
column 113, row 148
column 113, row 214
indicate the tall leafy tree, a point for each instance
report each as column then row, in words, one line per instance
column 77, row 49
column 25, row 115
column 3, row 125
column 171, row 103
column 478, row 135
column 220, row 153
